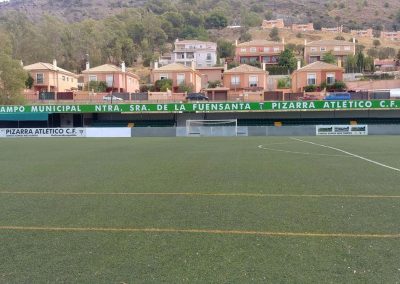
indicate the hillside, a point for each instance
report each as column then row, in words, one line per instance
column 351, row 13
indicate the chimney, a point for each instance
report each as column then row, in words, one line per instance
column 236, row 42
column 22, row 63
column 264, row 66
column 354, row 40
column 225, row 66
column 193, row 65
column 298, row 64
column 177, row 40
column 305, row 42
column 123, row 67
column 283, row 40
column 155, row 65
column 339, row 63
column 55, row 63
column 87, row 65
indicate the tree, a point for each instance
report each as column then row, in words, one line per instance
column 225, row 49
column 360, row 61
column 339, row 37
column 216, row 21
column 376, row 43
column 329, row 58
column 369, row 65
column 287, row 59
column 185, row 88
column 163, row 85
column 29, row 82
column 97, row 86
column 12, row 80
column 245, row 36
column 351, row 64
column 274, row 34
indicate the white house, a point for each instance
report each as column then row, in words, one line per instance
column 203, row 53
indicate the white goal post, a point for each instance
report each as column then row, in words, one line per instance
column 221, row 127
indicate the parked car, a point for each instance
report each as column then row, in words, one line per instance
column 111, row 98
column 197, row 97
column 338, row 96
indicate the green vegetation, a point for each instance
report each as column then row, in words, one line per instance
column 163, row 85
column 310, row 88
column 274, row 34
column 287, row 59
column 166, row 165
column 97, row 86
column 284, row 83
column 329, row 58
column 214, row 84
column 12, row 75
column 185, row 88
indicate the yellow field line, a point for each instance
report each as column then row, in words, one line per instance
column 199, row 231
column 198, row 194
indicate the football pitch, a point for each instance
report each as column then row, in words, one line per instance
column 200, row 210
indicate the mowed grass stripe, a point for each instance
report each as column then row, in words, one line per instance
column 239, row 194
column 200, row 231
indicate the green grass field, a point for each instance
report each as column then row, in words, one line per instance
column 200, row 210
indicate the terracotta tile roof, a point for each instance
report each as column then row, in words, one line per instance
column 258, row 43
column 319, row 66
column 107, row 68
column 244, row 68
column 174, row 67
column 48, row 66
column 330, row 42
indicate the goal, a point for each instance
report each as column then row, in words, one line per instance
column 226, row 127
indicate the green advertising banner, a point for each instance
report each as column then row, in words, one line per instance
column 205, row 107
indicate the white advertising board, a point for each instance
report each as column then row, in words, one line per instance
column 341, row 130
column 42, row 132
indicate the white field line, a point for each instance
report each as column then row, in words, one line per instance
column 204, row 194
column 204, row 231
column 348, row 153
column 300, row 153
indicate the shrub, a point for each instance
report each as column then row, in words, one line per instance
column 284, row 83
column 310, row 88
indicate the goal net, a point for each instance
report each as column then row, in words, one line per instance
column 227, row 127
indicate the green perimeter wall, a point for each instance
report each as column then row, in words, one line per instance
column 204, row 107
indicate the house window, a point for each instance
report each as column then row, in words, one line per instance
column 243, row 49
column 190, row 55
column 311, row 79
column 180, row 79
column 253, row 81
column 330, row 78
column 67, row 79
column 92, row 78
column 110, row 80
column 253, row 49
column 39, row 78
column 322, row 49
column 313, row 49
column 336, row 48
column 276, row 49
column 266, row 49
column 347, row 48
column 63, row 78
column 163, row 76
column 235, row 81
column 208, row 56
